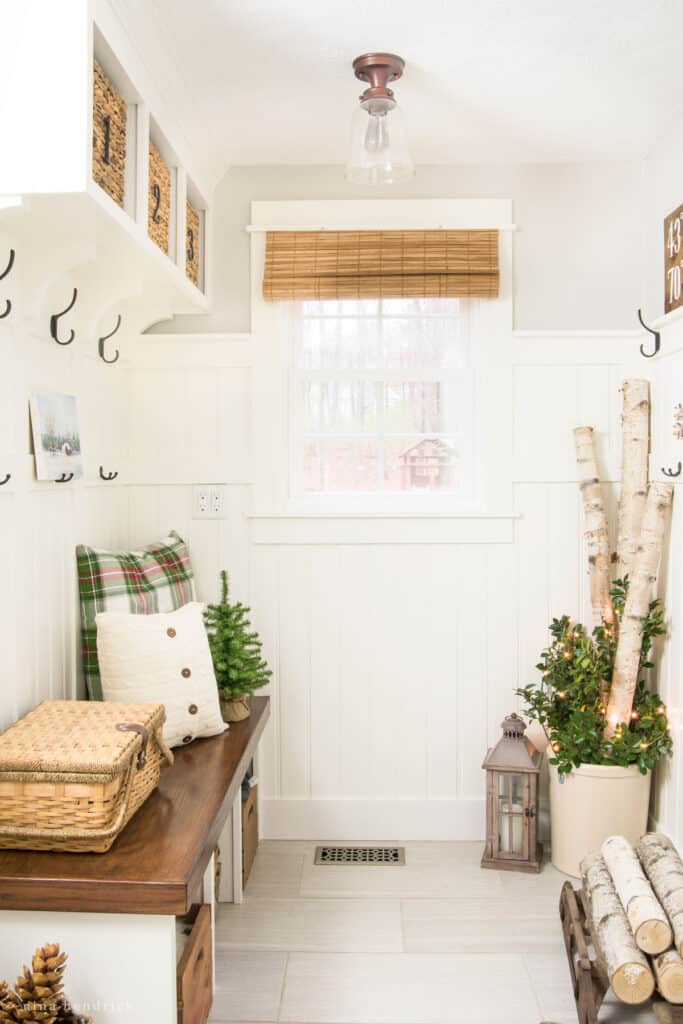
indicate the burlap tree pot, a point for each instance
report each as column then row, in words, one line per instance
column 235, row 709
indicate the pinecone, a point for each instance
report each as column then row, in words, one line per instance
column 67, row 1015
column 8, row 1002
column 39, row 989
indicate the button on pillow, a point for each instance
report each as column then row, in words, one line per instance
column 162, row 659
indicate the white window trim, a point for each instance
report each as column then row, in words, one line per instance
column 272, row 384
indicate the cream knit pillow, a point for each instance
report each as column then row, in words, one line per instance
column 162, row 659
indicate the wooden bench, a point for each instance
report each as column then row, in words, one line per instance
column 133, row 918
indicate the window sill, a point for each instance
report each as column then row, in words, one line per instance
column 350, row 528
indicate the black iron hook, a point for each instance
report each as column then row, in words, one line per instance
column 107, row 476
column 64, row 478
column 54, row 321
column 7, row 479
column 672, row 472
column 10, row 264
column 658, row 338
column 106, row 337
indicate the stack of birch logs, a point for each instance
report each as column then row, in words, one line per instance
column 634, row 903
column 642, row 515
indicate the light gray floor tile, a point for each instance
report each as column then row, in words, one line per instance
column 549, row 976
column 407, row 989
column 347, row 925
column 431, row 869
column 480, row 926
column 276, row 871
column 248, row 986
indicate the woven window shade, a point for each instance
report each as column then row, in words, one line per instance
column 304, row 265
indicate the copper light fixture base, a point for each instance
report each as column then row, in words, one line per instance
column 378, row 69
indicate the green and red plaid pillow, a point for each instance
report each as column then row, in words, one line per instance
column 158, row 578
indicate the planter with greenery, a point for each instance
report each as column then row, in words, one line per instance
column 605, row 729
column 237, row 654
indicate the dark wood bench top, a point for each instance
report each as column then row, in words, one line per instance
column 157, row 864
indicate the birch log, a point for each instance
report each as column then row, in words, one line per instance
column 635, row 420
column 640, row 590
column 664, row 868
column 629, row 974
column 595, row 525
column 669, row 973
column 649, row 923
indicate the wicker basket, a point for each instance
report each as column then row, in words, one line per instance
column 109, row 118
column 73, row 773
column 193, row 243
column 159, row 202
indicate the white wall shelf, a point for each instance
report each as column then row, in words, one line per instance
column 50, row 139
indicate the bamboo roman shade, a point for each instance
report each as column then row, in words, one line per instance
column 309, row 265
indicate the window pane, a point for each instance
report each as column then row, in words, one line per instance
column 428, row 343
column 413, row 406
column 423, row 464
column 341, row 465
column 334, row 343
column 422, row 307
column 340, row 406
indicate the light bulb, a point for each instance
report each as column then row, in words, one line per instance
column 379, row 154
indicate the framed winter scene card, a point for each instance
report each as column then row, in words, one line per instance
column 56, row 436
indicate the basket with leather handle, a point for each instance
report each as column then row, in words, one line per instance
column 73, row 773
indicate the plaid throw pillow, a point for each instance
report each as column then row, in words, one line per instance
column 158, row 578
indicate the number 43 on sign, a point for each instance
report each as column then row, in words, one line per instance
column 673, row 260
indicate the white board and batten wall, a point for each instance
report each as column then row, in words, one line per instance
column 395, row 645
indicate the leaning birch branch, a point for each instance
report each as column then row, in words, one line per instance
column 635, row 421
column 629, row 974
column 664, row 867
column 643, row 578
column 595, row 525
column 649, row 923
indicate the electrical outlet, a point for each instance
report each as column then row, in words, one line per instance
column 209, row 502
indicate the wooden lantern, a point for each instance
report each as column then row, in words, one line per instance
column 512, row 772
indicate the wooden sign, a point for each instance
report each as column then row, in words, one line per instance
column 673, row 260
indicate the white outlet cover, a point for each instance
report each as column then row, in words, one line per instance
column 208, row 501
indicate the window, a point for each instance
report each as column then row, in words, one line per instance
column 383, row 399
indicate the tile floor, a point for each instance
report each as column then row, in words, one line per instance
column 438, row 941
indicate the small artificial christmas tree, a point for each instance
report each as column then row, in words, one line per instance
column 236, row 651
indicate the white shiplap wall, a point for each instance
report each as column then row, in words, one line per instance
column 396, row 649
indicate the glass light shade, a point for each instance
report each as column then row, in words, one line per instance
column 379, row 154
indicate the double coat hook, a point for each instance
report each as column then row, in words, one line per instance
column 106, row 337
column 8, row 304
column 657, row 336
column 54, row 322
column 673, row 472
column 65, row 478
column 6, row 479
column 107, row 476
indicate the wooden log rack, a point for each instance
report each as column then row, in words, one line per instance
column 587, row 971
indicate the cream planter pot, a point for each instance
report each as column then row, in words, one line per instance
column 595, row 801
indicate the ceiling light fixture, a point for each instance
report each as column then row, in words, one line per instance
column 379, row 155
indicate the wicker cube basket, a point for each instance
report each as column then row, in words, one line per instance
column 73, row 773
column 192, row 244
column 109, row 118
column 159, row 199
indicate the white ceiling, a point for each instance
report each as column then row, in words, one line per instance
column 270, row 81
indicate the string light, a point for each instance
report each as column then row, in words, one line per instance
column 634, row 715
column 562, row 694
column 644, row 746
column 556, row 747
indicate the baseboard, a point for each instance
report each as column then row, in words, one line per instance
column 377, row 820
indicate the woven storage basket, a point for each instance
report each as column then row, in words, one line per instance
column 193, row 243
column 109, row 118
column 159, row 204
column 73, row 773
